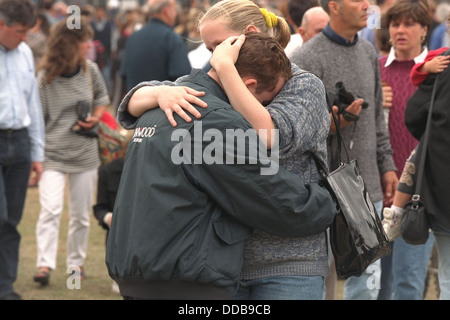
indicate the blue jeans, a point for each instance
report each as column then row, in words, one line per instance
column 14, row 173
column 409, row 268
column 367, row 285
column 442, row 239
column 282, row 288
column 403, row 272
column 387, row 278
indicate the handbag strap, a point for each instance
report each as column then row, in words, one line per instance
column 88, row 71
column 424, row 141
column 339, row 139
column 321, row 167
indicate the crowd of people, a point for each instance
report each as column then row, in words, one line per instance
column 180, row 227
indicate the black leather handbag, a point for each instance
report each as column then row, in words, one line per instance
column 414, row 226
column 357, row 237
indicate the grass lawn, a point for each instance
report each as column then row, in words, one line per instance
column 96, row 286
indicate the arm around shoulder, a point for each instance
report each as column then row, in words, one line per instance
column 166, row 95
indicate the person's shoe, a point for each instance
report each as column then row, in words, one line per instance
column 11, row 296
column 42, row 276
column 391, row 223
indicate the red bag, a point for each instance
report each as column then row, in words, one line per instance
column 111, row 141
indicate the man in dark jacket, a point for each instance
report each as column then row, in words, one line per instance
column 189, row 196
column 155, row 52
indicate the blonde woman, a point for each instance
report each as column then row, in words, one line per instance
column 67, row 81
column 274, row 267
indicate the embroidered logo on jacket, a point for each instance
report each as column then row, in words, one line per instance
column 143, row 132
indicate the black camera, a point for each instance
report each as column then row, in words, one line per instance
column 84, row 111
column 342, row 98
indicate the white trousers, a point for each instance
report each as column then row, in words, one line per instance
column 51, row 195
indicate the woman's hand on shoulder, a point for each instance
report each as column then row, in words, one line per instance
column 170, row 99
column 180, row 100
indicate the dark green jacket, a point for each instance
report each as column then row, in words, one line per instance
column 189, row 222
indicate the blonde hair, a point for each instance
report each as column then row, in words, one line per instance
column 239, row 14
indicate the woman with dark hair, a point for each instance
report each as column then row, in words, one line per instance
column 73, row 96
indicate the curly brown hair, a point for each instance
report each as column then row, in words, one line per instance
column 62, row 51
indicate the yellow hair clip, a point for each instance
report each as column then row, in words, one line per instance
column 271, row 18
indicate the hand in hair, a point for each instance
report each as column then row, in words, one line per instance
column 227, row 52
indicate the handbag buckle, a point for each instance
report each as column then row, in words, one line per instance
column 415, row 202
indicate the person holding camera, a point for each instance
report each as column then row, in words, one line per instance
column 73, row 96
column 335, row 55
